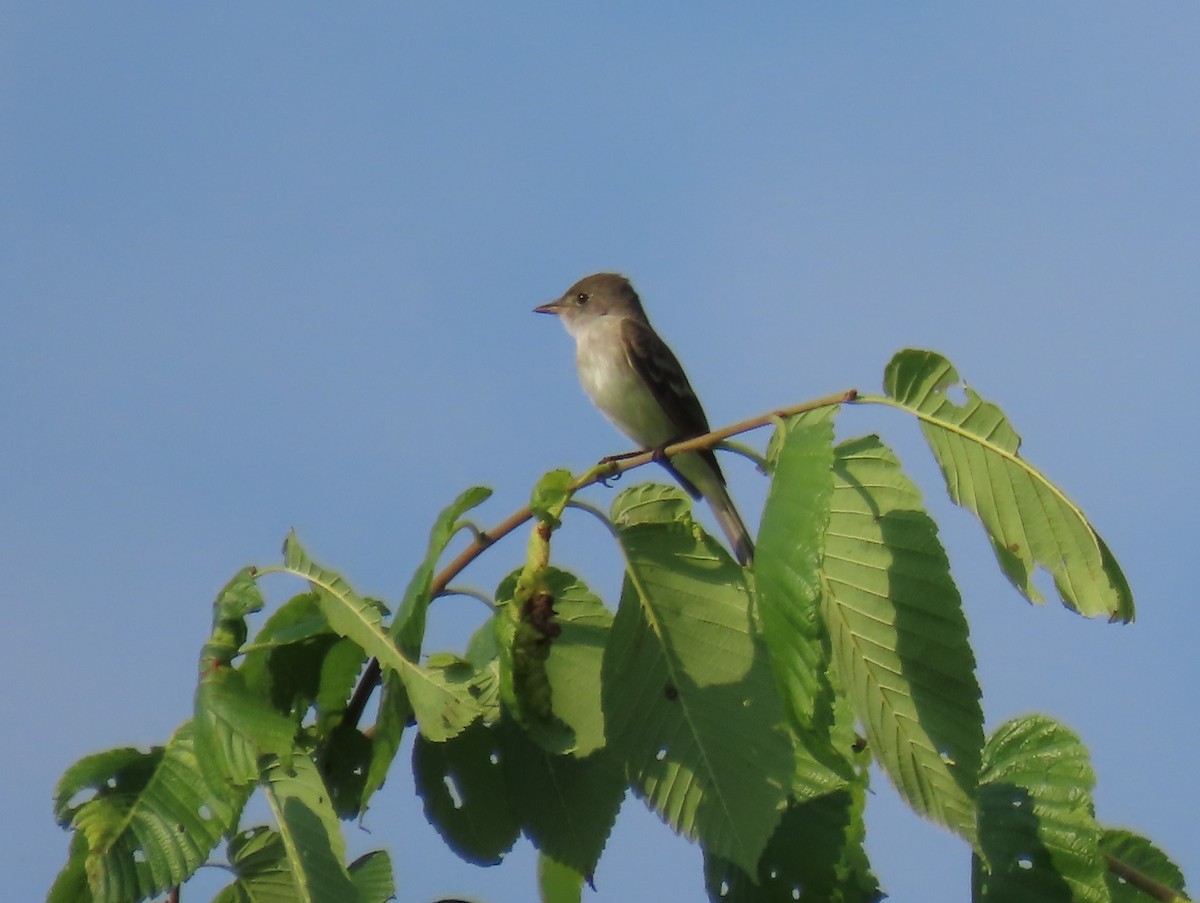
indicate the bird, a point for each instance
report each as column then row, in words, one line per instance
column 633, row 377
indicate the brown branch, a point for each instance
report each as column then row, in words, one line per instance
column 1142, row 881
column 605, row 471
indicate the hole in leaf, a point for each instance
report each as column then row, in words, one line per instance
column 797, row 891
column 946, row 757
column 204, row 812
column 1017, row 801
column 452, row 789
column 494, row 758
column 111, row 783
column 957, row 393
column 723, row 890
column 661, row 754
column 357, row 771
column 1025, row 861
column 773, row 874
column 80, row 797
column 139, row 855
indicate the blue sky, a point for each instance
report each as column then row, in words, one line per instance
column 266, row 267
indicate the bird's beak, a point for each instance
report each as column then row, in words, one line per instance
column 554, row 307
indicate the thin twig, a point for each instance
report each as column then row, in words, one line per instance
column 606, row 471
column 1142, row 881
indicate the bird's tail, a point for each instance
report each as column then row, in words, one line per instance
column 733, row 527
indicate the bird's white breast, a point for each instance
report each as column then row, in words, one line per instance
column 615, row 387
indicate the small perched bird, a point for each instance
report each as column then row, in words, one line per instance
column 631, row 375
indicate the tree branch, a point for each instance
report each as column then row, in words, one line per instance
column 1142, row 881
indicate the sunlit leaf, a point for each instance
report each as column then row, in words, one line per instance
column 899, row 635
column 408, row 628
column 1132, row 858
column 310, row 831
column 443, row 707
column 1029, row 520
column 150, row 822
column 788, row 585
column 1038, row 838
column 689, row 700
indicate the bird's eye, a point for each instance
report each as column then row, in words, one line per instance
column 582, row 298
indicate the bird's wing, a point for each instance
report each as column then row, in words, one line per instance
column 660, row 371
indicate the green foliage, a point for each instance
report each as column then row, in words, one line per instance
column 1038, row 836
column 744, row 706
column 1028, row 519
column 899, row 635
column 688, row 694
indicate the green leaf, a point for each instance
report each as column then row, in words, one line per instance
column 565, row 805
column 71, row 885
column 409, row 626
column 298, row 619
column 689, row 701
column 788, row 584
column 234, row 726
column 345, row 756
column 1134, row 853
column 462, row 787
column 372, row 876
column 394, row 713
column 442, row 707
column 311, row 834
column 151, row 822
column 238, row 598
column 261, row 870
column 263, row 873
column 299, row 664
column 574, row 657
column 550, row 495
column 283, row 661
column 816, row 853
column 899, row 635
column 558, row 883
column 1029, row 520
column 1038, row 838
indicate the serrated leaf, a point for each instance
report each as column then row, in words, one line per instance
column 258, row 860
column 233, row 727
column 689, row 701
column 408, row 628
column 816, row 853
column 373, row 878
column 310, row 831
column 462, row 788
column 788, row 585
column 151, row 823
column 1038, row 838
column 558, row 883
column 1029, row 520
column 566, row 805
column 573, row 662
column 442, row 707
column 899, row 635
column 1132, row 857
